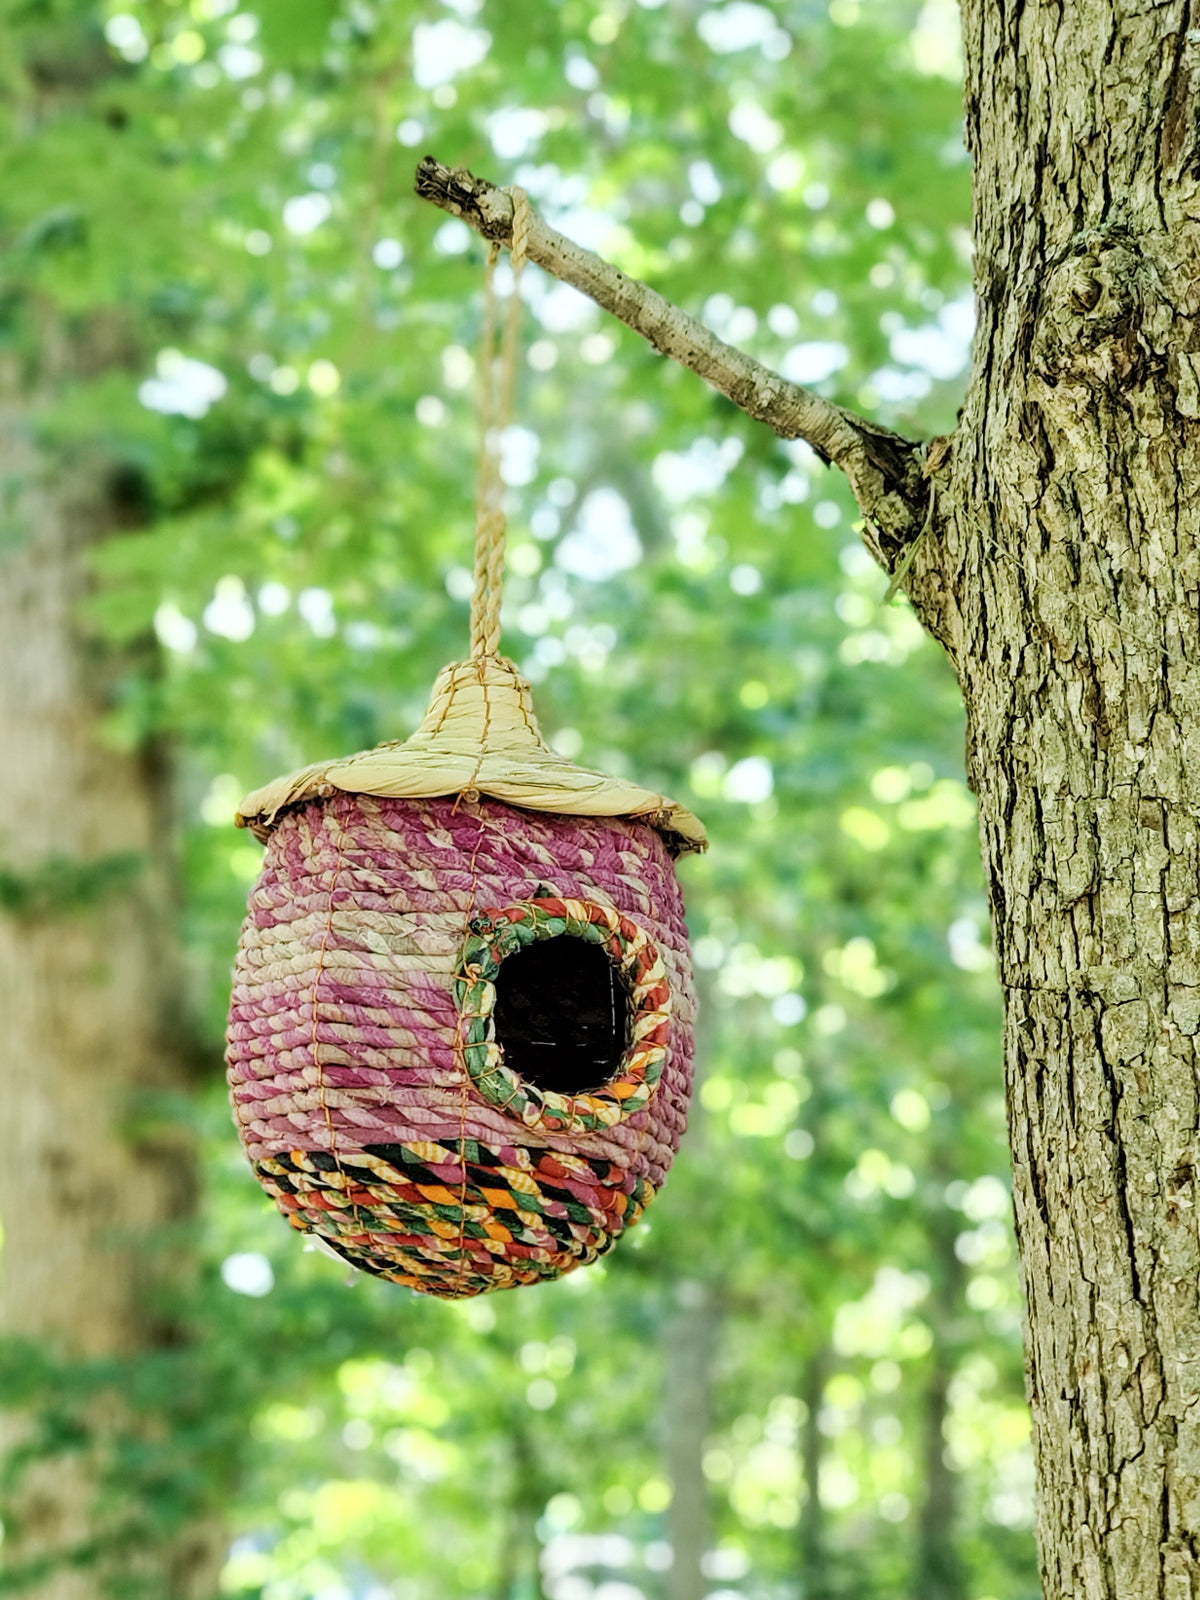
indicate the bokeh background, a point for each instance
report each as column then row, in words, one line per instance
column 801, row 1376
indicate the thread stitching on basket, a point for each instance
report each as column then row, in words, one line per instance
column 402, row 1222
column 315, row 1046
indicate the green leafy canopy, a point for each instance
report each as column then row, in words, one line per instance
column 285, row 410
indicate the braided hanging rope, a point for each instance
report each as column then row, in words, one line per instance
column 487, row 485
column 496, row 393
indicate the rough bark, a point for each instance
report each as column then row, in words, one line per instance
column 1070, row 552
column 89, row 1175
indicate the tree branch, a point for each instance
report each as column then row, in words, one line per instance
column 884, row 469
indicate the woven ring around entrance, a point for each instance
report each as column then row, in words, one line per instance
column 495, row 934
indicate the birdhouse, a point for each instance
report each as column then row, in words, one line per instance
column 460, row 1047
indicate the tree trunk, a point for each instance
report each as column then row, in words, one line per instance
column 1066, row 576
column 518, row 1568
column 939, row 1572
column 86, row 1044
column 814, row 1557
column 690, row 1350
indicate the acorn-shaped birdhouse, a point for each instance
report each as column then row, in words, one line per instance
column 460, row 1047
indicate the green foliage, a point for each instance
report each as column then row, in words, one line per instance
column 289, row 405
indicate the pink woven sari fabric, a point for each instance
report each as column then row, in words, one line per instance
column 345, row 1052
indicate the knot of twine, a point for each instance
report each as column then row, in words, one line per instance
column 496, row 390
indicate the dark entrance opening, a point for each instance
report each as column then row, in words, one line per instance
column 562, row 1014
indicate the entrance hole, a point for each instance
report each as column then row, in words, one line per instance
column 562, row 1015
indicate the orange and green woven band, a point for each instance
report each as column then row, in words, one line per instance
column 390, row 1210
column 501, row 932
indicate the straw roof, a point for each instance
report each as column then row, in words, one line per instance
column 479, row 737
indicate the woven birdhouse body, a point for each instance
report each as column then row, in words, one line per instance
column 460, row 1047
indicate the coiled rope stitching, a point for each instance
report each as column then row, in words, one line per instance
column 443, row 1176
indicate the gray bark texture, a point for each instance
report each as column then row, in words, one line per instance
column 90, row 1175
column 1061, row 572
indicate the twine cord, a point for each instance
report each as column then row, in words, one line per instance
column 496, row 393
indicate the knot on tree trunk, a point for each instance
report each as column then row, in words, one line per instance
column 1100, row 324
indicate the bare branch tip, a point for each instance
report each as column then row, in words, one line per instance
column 483, row 205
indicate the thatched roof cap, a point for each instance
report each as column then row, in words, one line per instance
column 479, row 736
